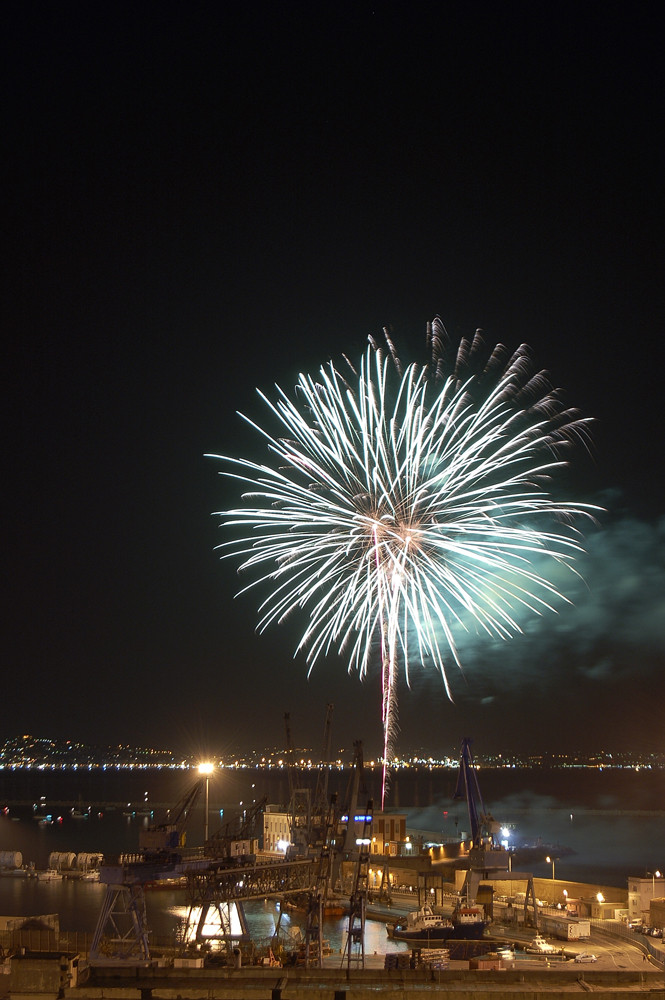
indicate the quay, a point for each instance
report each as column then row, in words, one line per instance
column 324, row 984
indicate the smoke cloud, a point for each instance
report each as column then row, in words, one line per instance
column 611, row 630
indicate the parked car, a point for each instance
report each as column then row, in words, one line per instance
column 585, row 956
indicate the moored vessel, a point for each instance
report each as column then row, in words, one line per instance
column 539, row 946
column 426, row 928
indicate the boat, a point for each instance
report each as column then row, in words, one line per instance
column 89, row 877
column 539, row 946
column 426, row 928
column 50, row 875
column 334, row 906
column 78, row 811
column 471, row 917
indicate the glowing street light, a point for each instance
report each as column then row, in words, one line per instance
column 206, row 770
column 654, row 876
column 551, row 861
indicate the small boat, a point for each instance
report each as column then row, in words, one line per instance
column 334, row 906
column 539, row 946
column 50, row 875
column 78, row 811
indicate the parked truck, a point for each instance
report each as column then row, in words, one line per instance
column 564, row 928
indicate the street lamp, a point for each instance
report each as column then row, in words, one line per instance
column 551, row 861
column 206, row 770
column 654, row 876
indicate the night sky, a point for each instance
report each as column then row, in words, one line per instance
column 203, row 199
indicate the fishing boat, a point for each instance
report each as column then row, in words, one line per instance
column 471, row 918
column 426, row 928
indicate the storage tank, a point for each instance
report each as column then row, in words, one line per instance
column 11, row 859
column 61, row 860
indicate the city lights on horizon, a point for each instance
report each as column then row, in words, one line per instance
column 44, row 754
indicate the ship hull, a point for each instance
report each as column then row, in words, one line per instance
column 436, row 937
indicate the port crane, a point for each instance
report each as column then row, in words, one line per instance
column 482, row 824
column 318, row 895
column 220, row 877
column 355, row 940
column 238, row 837
column 170, row 835
column 300, row 799
column 488, row 860
column 121, row 932
column 321, row 790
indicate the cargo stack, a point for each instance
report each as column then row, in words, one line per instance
column 398, row 960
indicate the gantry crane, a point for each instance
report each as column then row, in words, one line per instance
column 355, row 940
column 122, row 930
column 319, row 892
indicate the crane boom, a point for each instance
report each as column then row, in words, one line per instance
column 171, row 833
column 321, row 791
column 468, row 788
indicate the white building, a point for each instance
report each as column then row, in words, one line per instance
column 387, row 832
column 640, row 893
column 276, row 830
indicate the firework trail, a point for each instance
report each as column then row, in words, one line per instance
column 401, row 501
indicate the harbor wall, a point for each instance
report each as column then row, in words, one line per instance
column 270, row 984
column 406, row 870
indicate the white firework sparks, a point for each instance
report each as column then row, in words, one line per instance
column 399, row 502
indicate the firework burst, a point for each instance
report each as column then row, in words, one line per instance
column 400, row 502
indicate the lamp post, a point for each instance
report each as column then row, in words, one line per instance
column 206, row 770
column 551, row 861
column 654, row 876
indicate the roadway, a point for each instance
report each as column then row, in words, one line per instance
column 614, row 950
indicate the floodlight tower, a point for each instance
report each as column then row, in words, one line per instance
column 205, row 770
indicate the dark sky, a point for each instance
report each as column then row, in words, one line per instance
column 202, row 199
